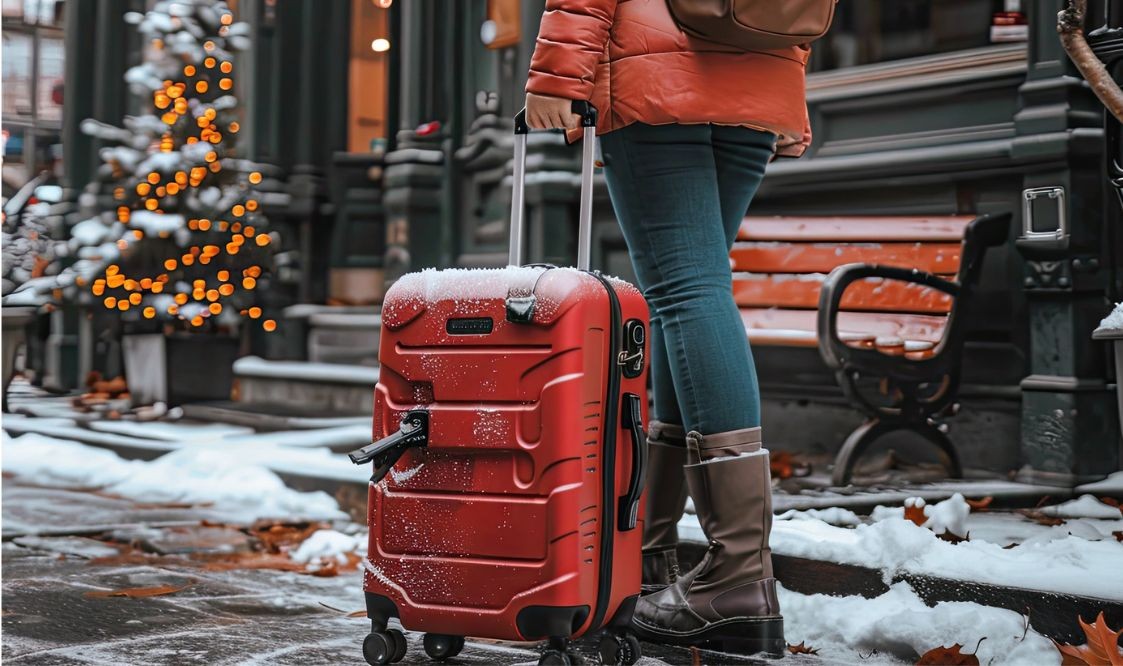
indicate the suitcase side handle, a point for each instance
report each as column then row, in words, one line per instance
column 632, row 417
column 414, row 431
column 588, row 115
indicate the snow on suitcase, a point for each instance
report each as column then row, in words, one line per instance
column 509, row 453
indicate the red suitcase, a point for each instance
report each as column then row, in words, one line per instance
column 510, row 453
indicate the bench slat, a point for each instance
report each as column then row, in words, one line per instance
column 776, row 257
column 850, row 229
column 788, row 328
column 802, row 291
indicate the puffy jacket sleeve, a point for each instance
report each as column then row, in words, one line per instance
column 571, row 40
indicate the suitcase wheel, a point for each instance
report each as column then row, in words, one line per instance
column 442, row 646
column 621, row 649
column 384, row 647
column 558, row 654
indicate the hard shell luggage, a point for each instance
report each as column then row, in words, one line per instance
column 509, row 452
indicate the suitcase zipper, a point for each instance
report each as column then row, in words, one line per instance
column 608, row 462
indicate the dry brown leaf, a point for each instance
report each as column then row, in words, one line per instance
column 802, row 649
column 1111, row 501
column 915, row 513
column 1102, row 646
column 1040, row 518
column 980, row 504
column 135, row 592
column 953, row 538
column 1118, row 535
column 950, row 656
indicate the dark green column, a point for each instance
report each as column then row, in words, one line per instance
column 1069, row 428
column 79, row 93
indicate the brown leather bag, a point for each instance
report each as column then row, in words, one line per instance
column 754, row 24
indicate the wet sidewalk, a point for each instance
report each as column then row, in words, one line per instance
column 63, row 564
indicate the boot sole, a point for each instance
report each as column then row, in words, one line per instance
column 739, row 635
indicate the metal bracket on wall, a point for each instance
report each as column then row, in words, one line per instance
column 1032, row 236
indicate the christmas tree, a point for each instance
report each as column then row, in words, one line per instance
column 184, row 241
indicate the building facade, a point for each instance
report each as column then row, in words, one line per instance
column 389, row 122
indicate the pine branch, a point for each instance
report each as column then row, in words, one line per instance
column 1070, row 26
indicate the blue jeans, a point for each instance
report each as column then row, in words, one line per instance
column 680, row 193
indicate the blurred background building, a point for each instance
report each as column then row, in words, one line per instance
column 388, row 124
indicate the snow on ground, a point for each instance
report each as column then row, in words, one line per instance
column 1080, row 556
column 1075, row 564
column 1112, row 485
column 172, row 432
column 329, row 545
column 1085, row 506
column 899, row 626
column 196, row 475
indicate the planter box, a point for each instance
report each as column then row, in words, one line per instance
column 1115, row 337
column 179, row 368
column 15, row 323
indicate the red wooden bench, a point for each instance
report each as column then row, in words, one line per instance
column 878, row 296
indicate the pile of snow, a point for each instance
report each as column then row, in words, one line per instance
column 1114, row 321
column 201, row 474
column 328, row 546
column 1075, row 564
column 832, row 516
column 949, row 515
column 901, row 624
column 1085, row 506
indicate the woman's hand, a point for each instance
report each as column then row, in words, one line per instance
column 545, row 112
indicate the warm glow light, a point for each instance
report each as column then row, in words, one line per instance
column 255, row 312
column 269, row 325
column 380, row 45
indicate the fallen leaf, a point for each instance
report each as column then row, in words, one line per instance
column 980, row 504
column 135, row 592
column 1118, row 534
column 1111, row 501
column 1102, row 646
column 1040, row 518
column 914, row 511
column 802, row 649
column 951, row 537
column 950, row 656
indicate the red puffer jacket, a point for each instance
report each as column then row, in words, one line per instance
column 630, row 59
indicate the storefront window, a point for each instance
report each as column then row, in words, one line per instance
column 370, row 52
column 870, row 31
column 33, row 87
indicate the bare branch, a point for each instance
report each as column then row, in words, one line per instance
column 1070, row 26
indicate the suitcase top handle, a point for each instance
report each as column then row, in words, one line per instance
column 588, row 115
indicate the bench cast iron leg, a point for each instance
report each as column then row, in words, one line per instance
column 870, row 431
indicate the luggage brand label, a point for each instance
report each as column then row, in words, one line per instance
column 470, row 326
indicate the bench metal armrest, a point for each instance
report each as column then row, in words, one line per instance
column 836, row 353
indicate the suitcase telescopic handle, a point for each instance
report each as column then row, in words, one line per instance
column 632, row 418
column 414, row 431
column 588, row 115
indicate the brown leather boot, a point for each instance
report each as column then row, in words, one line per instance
column 666, row 499
column 728, row 602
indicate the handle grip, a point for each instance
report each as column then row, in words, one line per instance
column 587, row 111
column 588, row 115
column 632, row 417
column 414, row 431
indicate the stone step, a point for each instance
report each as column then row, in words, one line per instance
column 344, row 338
column 330, row 389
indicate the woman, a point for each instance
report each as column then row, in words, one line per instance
column 687, row 127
